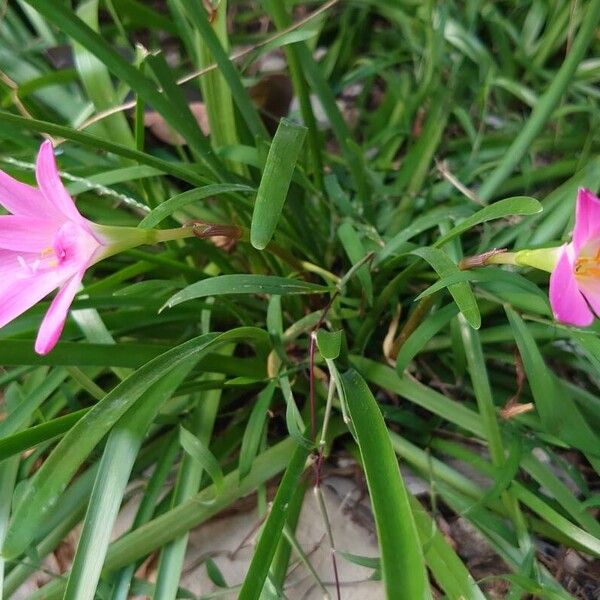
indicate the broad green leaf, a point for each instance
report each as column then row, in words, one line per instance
column 402, row 560
column 244, row 284
column 329, row 343
column 179, row 520
column 168, row 207
column 521, row 205
column 275, row 181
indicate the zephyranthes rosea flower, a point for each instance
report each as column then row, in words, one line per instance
column 47, row 244
column 575, row 279
column 574, row 267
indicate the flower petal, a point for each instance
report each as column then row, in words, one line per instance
column 55, row 318
column 587, row 219
column 26, row 234
column 22, row 199
column 52, row 187
column 20, row 291
column 590, row 288
column 568, row 304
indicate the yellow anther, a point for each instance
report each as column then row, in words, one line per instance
column 47, row 251
column 586, row 266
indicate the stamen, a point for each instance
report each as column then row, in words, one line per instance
column 586, row 266
column 47, row 251
column 28, row 268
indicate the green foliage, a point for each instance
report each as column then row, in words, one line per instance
column 341, row 323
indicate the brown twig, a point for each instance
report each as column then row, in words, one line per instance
column 512, row 408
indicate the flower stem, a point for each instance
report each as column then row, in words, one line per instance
column 167, row 235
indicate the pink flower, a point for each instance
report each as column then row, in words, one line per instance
column 575, row 280
column 46, row 244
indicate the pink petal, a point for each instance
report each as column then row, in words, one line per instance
column 26, row 234
column 590, row 288
column 20, row 291
column 55, row 318
column 52, row 187
column 568, row 304
column 587, row 219
column 22, row 199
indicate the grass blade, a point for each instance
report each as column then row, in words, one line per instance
column 275, row 181
column 402, row 561
column 60, row 466
column 273, row 527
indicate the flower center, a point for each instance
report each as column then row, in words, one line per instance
column 588, row 266
column 48, row 258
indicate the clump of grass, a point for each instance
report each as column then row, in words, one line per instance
column 332, row 317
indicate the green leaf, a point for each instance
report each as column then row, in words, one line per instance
column 244, row 284
column 355, row 250
column 429, row 220
column 461, row 292
column 519, row 205
column 543, row 109
column 402, row 561
column 30, row 437
column 173, row 168
column 559, row 414
column 214, row 573
column 168, row 207
column 445, row 565
column 275, row 181
column 329, row 343
column 273, row 527
column 203, row 456
column 117, row 461
column 254, row 429
column 23, row 411
column 53, row 476
column 421, row 395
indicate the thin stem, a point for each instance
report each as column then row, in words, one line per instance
column 328, row 407
column 323, row 509
column 177, row 233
